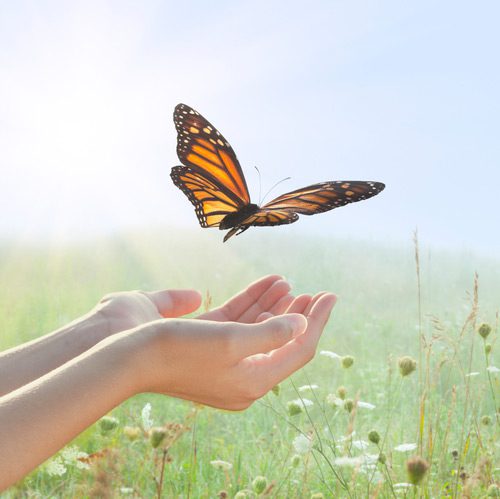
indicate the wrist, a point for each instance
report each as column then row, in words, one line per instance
column 86, row 331
column 147, row 354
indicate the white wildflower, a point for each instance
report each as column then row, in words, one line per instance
column 126, row 490
column 55, row 467
column 405, row 447
column 82, row 465
column 221, row 465
column 493, row 369
column 332, row 355
column 304, row 388
column 475, row 373
column 367, row 468
column 348, row 461
column 370, row 458
column 332, row 399
column 302, row 444
column 366, row 405
column 303, row 402
column 73, row 455
column 346, row 437
column 402, row 485
column 147, row 422
column 360, row 444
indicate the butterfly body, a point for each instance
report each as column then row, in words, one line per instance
column 236, row 218
column 213, row 181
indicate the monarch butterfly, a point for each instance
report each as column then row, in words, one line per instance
column 212, row 179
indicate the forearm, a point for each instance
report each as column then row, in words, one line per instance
column 41, row 417
column 23, row 364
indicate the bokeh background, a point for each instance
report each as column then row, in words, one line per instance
column 401, row 92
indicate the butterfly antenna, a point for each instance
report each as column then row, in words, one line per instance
column 260, row 184
column 275, row 185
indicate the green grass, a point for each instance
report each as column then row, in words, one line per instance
column 376, row 321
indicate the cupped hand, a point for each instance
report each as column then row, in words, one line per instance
column 229, row 364
column 260, row 300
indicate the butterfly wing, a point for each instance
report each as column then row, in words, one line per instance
column 202, row 148
column 212, row 201
column 316, row 198
column 325, row 196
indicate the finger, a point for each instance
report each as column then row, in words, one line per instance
column 299, row 304
column 283, row 361
column 281, row 305
column 175, row 302
column 314, row 300
column 234, row 307
column 265, row 302
column 267, row 335
column 264, row 316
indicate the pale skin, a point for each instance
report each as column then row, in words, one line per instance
column 53, row 388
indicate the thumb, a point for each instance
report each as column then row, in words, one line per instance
column 271, row 333
column 175, row 302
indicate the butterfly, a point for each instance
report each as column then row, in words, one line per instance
column 212, row 179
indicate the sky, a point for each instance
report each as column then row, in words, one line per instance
column 406, row 93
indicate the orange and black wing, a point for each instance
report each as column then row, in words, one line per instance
column 202, row 148
column 212, row 201
column 316, row 198
column 324, row 196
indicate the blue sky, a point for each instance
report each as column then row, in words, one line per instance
column 405, row 93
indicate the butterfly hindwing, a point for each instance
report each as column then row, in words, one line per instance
column 211, row 201
column 202, row 147
column 310, row 200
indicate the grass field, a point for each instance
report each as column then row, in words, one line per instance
column 297, row 448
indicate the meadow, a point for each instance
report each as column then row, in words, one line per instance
column 348, row 425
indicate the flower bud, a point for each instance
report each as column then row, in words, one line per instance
column 294, row 408
column 374, row 437
column 417, row 468
column 486, row 420
column 487, row 348
column 484, row 330
column 296, row 460
column 243, row 494
column 342, row 392
column 259, row 484
column 349, row 405
column 382, row 458
column 276, row 389
column 132, row 432
column 406, row 365
column 156, row 436
column 347, row 361
column 107, row 424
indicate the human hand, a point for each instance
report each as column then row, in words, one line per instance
column 129, row 309
column 227, row 364
column 260, row 300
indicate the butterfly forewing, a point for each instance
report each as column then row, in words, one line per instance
column 203, row 148
column 324, row 196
